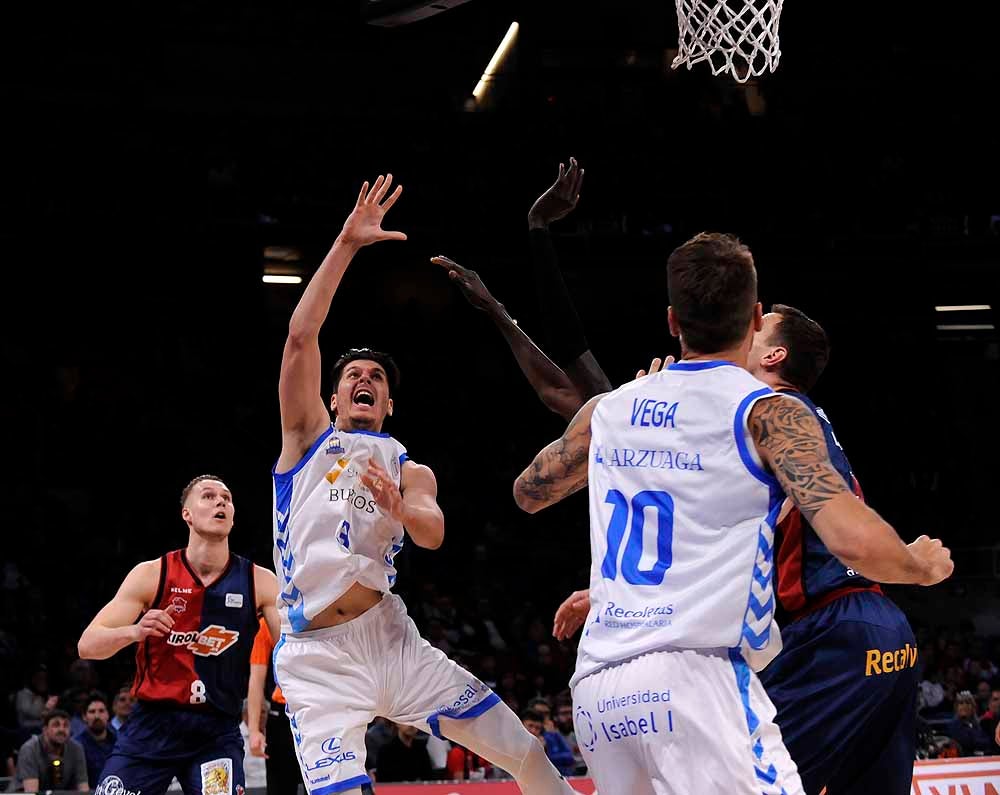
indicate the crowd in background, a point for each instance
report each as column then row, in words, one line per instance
column 504, row 637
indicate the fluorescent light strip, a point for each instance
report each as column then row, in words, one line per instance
column 963, row 308
column 496, row 60
column 967, row 327
column 274, row 278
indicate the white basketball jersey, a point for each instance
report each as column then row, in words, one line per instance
column 681, row 517
column 328, row 531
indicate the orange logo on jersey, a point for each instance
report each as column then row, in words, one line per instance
column 336, row 472
column 209, row 642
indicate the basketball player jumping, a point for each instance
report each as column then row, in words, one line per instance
column 696, row 457
column 344, row 492
column 199, row 610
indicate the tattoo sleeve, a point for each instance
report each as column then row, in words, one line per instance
column 792, row 443
column 560, row 469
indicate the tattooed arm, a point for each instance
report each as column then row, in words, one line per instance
column 561, row 468
column 790, row 441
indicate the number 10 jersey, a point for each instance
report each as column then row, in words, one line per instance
column 682, row 516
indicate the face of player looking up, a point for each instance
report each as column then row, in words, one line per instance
column 362, row 400
column 209, row 510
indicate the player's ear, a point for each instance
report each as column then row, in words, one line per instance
column 775, row 356
column 758, row 316
column 675, row 330
column 333, row 402
column 186, row 514
column 389, row 412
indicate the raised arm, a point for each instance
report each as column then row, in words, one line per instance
column 551, row 384
column 304, row 413
column 413, row 504
column 567, row 341
column 791, row 443
column 560, row 469
column 114, row 627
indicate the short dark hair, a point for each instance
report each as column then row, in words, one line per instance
column 807, row 345
column 712, row 285
column 352, row 355
column 97, row 697
column 53, row 714
column 194, row 482
column 532, row 714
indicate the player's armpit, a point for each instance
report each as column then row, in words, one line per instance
column 560, row 469
column 266, row 587
column 422, row 516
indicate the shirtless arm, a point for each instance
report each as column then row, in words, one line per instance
column 560, row 469
column 304, row 414
column 114, row 627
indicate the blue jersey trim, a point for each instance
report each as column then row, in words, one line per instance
column 403, row 458
column 694, row 366
column 473, row 712
column 274, row 658
column 741, row 442
column 290, row 594
column 340, row 786
column 764, row 771
column 304, row 460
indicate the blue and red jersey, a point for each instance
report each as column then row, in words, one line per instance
column 809, row 576
column 205, row 660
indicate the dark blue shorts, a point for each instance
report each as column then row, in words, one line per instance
column 203, row 750
column 845, row 687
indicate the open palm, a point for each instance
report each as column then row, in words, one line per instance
column 364, row 225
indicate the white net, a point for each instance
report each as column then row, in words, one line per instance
column 735, row 36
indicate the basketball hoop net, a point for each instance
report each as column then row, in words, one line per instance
column 735, row 36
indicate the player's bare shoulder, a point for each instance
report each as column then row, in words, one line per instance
column 417, row 476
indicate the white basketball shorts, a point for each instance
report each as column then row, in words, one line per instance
column 681, row 722
column 336, row 680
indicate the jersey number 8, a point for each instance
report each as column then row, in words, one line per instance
column 198, row 692
column 663, row 503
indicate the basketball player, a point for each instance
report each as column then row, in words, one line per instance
column 344, row 492
column 686, row 470
column 198, row 610
column 846, row 719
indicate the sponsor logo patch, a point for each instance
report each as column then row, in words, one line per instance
column 209, row 642
column 217, row 777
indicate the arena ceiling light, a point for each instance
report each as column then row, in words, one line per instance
column 280, row 278
column 963, row 308
column 496, row 61
column 966, row 327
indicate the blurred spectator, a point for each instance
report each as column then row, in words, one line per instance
column 965, row 728
column 52, row 760
column 983, row 691
column 564, row 724
column 122, row 708
column 97, row 740
column 33, row 701
column 404, row 758
column 74, row 701
column 556, row 748
column 463, row 765
column 379, row 735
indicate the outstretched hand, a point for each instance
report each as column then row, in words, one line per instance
column 364, row 225
column 560, row 199
column 469, row 283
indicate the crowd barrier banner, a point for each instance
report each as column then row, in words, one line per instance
column 975, row 775
column 978, row 775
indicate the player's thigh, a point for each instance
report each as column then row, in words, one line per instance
column 693, row 722
column 328, row 682
column 425, row 685
column 131, row 775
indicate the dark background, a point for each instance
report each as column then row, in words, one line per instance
column 150, row 157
